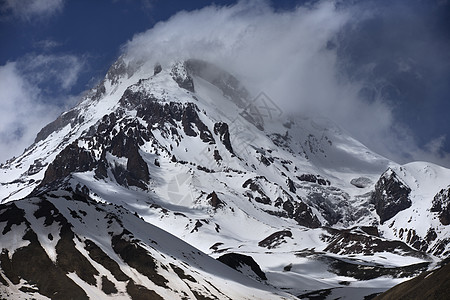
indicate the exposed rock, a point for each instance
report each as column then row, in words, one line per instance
column 301, row 213
column 313, row 179
column 222, row 130
column 182, row 274
column 351, row 241
column 214, row 200
column 36, row 167
column 281, row 141
column 99, row 256
column 291, row 185
column 157, row 69
column 266, row 161
column 68, row 254
column 123, row 143
column 55, row 284
column 107, row 286
column 390, row 195
column 256, row 188
column 362, row 271
column 441, row 205
column 182, row 77
column 275, row 239
column 331, row 207
column 190, row 117
column 238, row 261
column 217, row 156
column 139, row 292
column 433, row 284
column 12, row 215
column 361, row 182
column 71, row 159
column 137, row 257
column 70, row 117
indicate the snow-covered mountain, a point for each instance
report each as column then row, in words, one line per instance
column 173, row 166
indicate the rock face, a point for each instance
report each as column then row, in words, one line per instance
column 182, row 77
column 390, row 195
column 441, row 205
column 82, row 154
column 429, row 285
column 275, row 239
column 240, row 261
column 361, row 182
column 313, row 179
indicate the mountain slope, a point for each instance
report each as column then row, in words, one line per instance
column 429, row 285
column 185, row 148
column 130, row 259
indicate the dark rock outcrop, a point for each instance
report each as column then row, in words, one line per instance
column 257, row 193
column 351, row 241
column 429, row 285
column 124, row 143
column 441, row 205
column 390, row 195
column 71, row 159
column 182, row 77
column 222, row 130
column 361, row 182
column 313, row 179
column 302, row 213
column 214, row 200
column 70, row 117
column 275, row 239
column 237, row 261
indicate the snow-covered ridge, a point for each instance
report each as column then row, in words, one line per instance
column 182, row 146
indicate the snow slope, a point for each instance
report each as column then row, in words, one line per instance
column 189, row 151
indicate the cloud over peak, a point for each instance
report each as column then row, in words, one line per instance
column 308, row 60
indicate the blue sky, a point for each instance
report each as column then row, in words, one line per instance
column 385, row 64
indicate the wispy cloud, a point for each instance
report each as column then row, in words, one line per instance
column 47, row 45
column 300, row 58
column 26, row 106
column 60, row 69
column 30, row 9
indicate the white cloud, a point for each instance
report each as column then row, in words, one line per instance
column 28, row 9
column 24, row 108
column 62, row 69
column 21, row 112
column 290, row 55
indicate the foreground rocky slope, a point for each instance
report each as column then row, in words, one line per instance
column 89, row 250
column 184, row 147
column 429, row 285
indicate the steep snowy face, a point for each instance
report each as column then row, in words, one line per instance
column 418, row 213
column 19, row 176
column 89, row 250
column 185, row 147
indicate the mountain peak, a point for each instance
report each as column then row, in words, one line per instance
column 186, row 148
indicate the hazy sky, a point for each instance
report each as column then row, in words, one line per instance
column 379, row 69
